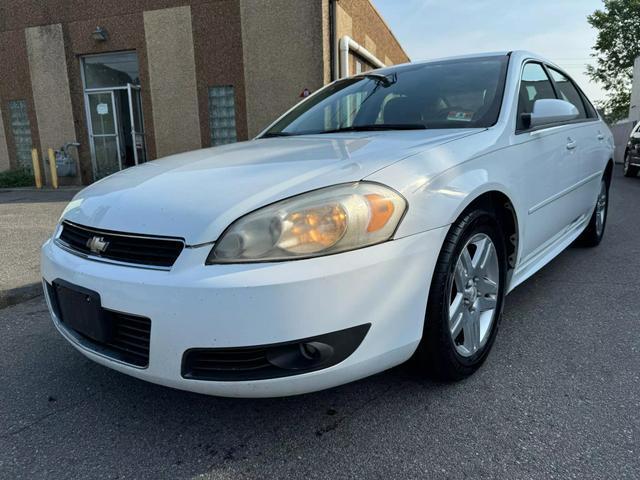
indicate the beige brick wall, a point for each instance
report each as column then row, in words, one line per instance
column 172, row 80
column 360, row 20
column 50, row 84
column 282, row 48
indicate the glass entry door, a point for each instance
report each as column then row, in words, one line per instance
column 114, row 111
column 103, row 133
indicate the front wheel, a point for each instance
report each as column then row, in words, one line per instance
column 593, row 234
column 628, row 169
column 465, row 298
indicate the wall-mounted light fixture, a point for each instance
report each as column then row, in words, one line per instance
column 99, row 34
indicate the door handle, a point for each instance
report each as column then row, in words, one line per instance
column 571, row 144
column 600, row 136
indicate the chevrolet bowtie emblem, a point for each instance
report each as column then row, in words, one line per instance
column 97, row 245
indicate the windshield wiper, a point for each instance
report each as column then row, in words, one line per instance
column 384, row 80
column 376, row 127
column 277, row 134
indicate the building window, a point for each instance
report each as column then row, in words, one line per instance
column 21, row 130
column 111, row 70
column 222, row 115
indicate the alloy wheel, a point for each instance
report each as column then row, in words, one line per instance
column 601, row 208
column 473, row 295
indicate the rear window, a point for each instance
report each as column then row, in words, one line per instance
column 567, row 91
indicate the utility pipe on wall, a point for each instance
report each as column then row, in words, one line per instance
column 348, row 44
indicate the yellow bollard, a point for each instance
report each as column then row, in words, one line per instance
column 52, row 169
column 36, row 168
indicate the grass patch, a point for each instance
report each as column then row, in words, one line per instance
column 16, row 178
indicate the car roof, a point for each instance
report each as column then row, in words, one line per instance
column 518, row 55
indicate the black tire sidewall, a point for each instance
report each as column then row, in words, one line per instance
column 598, row 236
column 629, row 170
column 439, row 346
column 606, row 213
column 625, row 165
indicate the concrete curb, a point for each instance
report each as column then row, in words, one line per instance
column 14, row 296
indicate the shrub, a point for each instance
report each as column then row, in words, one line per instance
column 16, row 178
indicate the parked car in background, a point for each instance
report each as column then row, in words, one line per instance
column 632, row 153
column 384, row 217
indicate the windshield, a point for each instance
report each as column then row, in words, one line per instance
column 462, row 93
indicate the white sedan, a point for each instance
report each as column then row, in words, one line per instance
column 385, row 217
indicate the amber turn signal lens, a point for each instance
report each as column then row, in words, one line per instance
column 320, row 222
column 381, row 211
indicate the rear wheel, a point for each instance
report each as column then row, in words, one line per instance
column 465, row 299
column 629, row 170
column 593, row 234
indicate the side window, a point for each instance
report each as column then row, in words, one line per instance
column 534, row 85
column 591, row 110
column 568, row 91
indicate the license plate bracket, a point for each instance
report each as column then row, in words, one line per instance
column 81, row 309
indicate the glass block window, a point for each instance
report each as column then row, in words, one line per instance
column 21, row 130
column 222, row 115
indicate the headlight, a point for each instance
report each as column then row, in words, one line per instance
column 325, row 221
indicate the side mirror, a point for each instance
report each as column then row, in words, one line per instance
column 548, row 111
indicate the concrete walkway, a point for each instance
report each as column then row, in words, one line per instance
column 27, row 218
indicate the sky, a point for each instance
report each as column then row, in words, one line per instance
column 556, row 29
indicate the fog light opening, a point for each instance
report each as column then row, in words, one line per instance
column 300, row 356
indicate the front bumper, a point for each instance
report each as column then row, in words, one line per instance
column 196, row 306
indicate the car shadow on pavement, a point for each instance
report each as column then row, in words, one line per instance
column 72, row 404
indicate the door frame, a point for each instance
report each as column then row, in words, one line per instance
column 134, row 131
column 92, row 136
column 87, row 91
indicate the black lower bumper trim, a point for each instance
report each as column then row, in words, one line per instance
column 263, row 362
column 118, row 335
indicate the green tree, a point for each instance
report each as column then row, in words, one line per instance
column 617, row 46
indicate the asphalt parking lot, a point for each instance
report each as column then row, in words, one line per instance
column 559, row 397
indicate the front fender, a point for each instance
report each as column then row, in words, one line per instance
column 439, row 200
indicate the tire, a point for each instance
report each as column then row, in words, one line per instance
column 450, row 356
column 594, row 233
column 628, row 169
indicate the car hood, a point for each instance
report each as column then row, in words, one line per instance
column 196, row 195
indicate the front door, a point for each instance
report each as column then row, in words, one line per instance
column 540, row 156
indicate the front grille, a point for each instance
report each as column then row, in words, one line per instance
column 158, row 252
